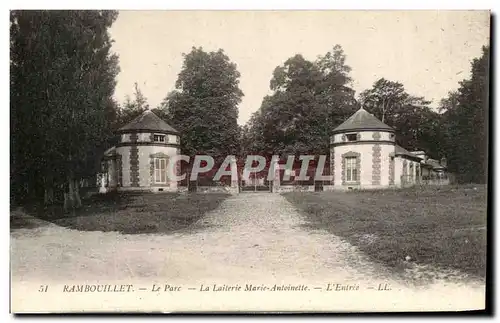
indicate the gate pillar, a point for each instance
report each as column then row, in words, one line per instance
column 234, row 175
column 275, row 187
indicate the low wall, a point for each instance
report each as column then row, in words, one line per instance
column 279, row 189
column 154, row 189
column 179, row 189
column 295, row 188
column 443, row 181
column 217, row 189
column 133, row 189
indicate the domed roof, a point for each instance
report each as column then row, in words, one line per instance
column 150, row 122
column 362, row 120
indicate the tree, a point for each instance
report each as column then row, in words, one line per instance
column 409, row 115
column 387, row 100
column 309, row 100
column 450, row 102
column 132, row 109
column 62, row 82
column 465, row 120
column 204, row 105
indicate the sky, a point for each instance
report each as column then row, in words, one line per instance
column 428, row 51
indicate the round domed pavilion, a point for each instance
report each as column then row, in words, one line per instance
column 139, row 161
column 361, row 151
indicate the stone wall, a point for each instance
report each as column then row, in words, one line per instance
column 391, row 171
column 134, row 162
column 296, row 188
column 217, row 189
column 364, row 135
column 376, row 164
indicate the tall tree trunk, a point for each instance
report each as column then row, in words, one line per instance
column 48, row 198
column 72, row 198
column 68, row 196
column 76, row 194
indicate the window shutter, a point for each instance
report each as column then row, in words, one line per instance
column 163, row 170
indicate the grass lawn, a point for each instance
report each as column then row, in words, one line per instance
column 132, row 213
column 444, row 227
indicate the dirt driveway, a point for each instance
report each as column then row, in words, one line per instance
column 253, row 238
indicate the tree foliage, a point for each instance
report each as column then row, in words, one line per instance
column 204, row 105
column 465, row 123
column 131, row 109
column 416, row 124
column 308, row 100
column 62, row 82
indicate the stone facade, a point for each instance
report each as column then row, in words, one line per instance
column 376, row 160
column 332, row 167
column 373, row 147
column 376, row 164
column 119, row 166
column 134, row 161
column 136, row 167
column 391, row 171
column 404, row 173
column 133, row 164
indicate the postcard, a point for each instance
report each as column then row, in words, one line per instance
column 248, row 161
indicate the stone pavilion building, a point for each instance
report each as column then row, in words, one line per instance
column 364, row 155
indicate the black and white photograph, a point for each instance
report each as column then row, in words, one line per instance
column 249, row 161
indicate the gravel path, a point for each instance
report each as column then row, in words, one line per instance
column 253, row 238
column 262, row 235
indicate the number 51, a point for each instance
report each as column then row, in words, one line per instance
column 43, row 288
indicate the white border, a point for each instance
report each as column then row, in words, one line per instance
column 191, row 5
column 255, row 4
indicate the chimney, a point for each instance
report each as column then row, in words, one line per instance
column 443, row 162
